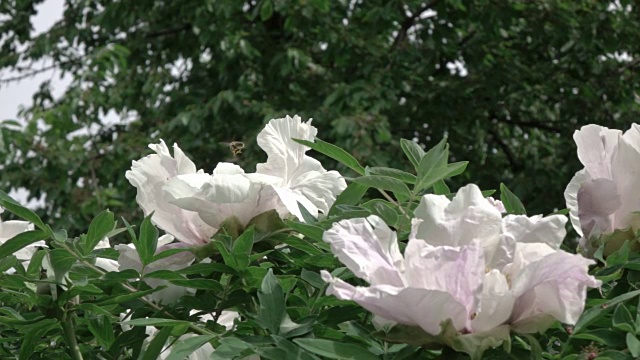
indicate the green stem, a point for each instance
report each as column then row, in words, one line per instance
column 70, row 337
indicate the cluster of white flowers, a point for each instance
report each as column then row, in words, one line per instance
column 191, row 205
column 469, row 274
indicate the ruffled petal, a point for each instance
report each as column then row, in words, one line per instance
column 496, row 304
column 552, row 284
column 410, row 306
column 458, row 271
column 149, row 175
column 468, row 217
column 368, row 248
column 571, row 198
column 304, row 180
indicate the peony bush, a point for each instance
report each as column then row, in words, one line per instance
column 293, row 261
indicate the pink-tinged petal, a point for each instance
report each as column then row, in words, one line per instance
column 410, row 306
column 458, row 271
column 497, row 204
column 571, row 198
column 368, row 248
column 626, row 172
column 149, row 175
column 468, row 217
column 598, row 200
column 553, row 285
column 496, row 303
column 596, row 145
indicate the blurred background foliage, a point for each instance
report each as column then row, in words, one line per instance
column 507, row 81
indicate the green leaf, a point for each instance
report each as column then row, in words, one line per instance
column 100, row 226
column 22, row 212
column 204, row 284
column 310, row 231
column 266, row 10
column 350, row 196
column 147, row 242
column 633, row 344
column 166, row 253
column 61, row 261
column 597, row 312
column 20, row 241
column 128, row 297
column 399, row 188
column 441, row 188
column 512, row 204
column 433, row 166
column 394, row 173
column 622, row 319
column 306, row 215
column 101, row 328
column 183, row 348
column 242, row 249
column 33, row 336
column 335, row 349
column 456, row 168
column 152, row 352
column 413, row 151
column 383, row 209
column 620, row 256
column 333, row 152
column 322, row 5
column 272, row 306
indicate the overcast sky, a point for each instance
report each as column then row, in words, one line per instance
column 17, row 94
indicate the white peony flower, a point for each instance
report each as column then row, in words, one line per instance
column 287, row 178
column 149, row 175
column 463, row 263
column 604, row 197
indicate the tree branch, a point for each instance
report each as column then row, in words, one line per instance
column 29, row 74
column 511, row 159
column 409, row 21
column 531, row 124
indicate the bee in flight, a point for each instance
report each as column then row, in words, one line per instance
column 235, row 147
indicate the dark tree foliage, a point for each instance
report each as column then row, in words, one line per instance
column 201, row 73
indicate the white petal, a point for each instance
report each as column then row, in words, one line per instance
column 149, row 175
column 9, row 229
column 458, row 271
column 469, row 216
column 554, row 285
column 304, row 179
column 368, row 248
column 571, row 198
column 596, row 145
column 548, row 230
column 284, row 154
column 496, row 304
column 626, row 172
column 410, row 306
column 598, row 200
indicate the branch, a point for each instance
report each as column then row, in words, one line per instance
column 533, row 124
column 409, row 21
column 29, row 74
column 505, row 149
column 168, row 31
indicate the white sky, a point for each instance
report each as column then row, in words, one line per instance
column 15, row 95
column 18, row 94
